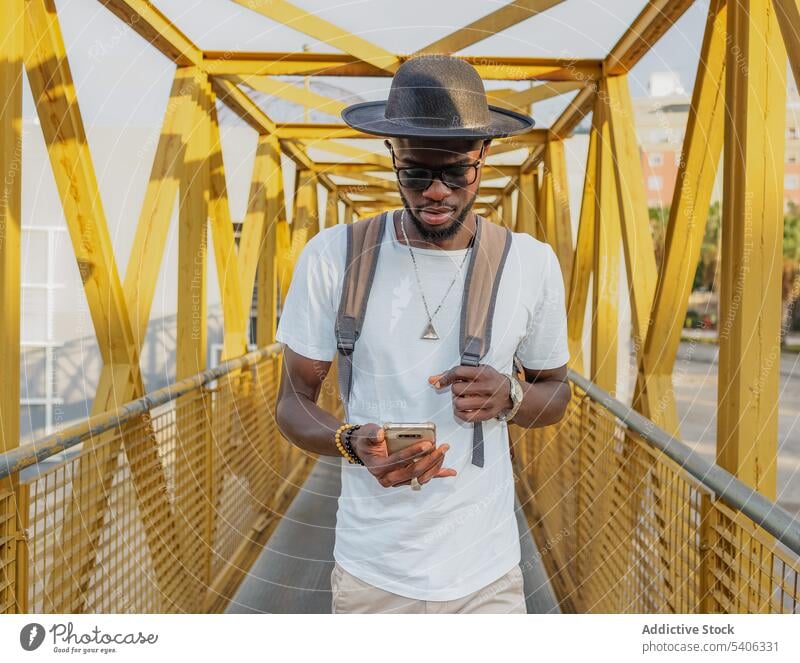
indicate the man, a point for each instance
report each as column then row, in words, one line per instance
column 454, row 545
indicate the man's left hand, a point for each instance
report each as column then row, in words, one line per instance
column 479, row 392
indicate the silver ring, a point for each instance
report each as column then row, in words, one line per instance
column 415, row 484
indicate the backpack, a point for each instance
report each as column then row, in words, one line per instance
column 485, row 267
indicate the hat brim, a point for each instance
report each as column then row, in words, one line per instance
column 369, row 117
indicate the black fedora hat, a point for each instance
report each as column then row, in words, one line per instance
column 436, row 96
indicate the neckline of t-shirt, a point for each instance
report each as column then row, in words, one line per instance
column 442, row 253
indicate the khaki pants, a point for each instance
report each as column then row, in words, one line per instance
column 352, row 595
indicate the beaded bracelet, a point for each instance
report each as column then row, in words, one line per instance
column 351, row 457
column 348, row 444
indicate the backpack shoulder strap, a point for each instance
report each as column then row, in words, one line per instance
column 489, row 252
column 363, row 247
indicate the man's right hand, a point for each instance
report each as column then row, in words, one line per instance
column 399, row 468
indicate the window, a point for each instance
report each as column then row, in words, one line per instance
column 655, row 159
column 654, row 183
column 791, row 182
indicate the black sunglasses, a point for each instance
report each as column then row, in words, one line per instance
column 419, row 178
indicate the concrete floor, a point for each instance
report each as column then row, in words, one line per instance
column 292, row 574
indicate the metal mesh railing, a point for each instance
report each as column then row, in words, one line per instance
column 160, row 511
column 622, row 527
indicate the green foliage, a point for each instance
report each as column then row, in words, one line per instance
column 791, row 233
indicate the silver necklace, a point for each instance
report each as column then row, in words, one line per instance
column 429, row 333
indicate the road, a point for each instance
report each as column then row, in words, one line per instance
column 695, row 381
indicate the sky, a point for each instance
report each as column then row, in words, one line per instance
column 122, row 79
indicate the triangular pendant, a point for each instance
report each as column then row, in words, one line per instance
column 430, row 333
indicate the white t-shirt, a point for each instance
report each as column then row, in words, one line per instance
column 457, row 534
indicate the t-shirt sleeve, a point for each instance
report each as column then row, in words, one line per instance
column 545, row 344
column 308, row 316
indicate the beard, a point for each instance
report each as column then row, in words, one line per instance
column 437, row 234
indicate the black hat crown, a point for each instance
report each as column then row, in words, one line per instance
column 436, row 96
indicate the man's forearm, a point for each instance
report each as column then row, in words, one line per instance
column 543, row 403
column 306, row 425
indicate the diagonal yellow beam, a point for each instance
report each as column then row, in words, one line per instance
column 141, row 275
column 255, row 219
column 225, row 252
column 788, row 14
column 355, row 153
column 654, row 394
column 519, row 100
column 317, row 27
column 489, row 25
column 293, row 93
column 150, row 23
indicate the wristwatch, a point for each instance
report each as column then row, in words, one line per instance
column 516, row 399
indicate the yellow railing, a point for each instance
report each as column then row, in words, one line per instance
column 163, row 505
column 158, row 507
column 622, row 527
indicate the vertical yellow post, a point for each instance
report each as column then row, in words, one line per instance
column 267, row 261
column 508, row 215
column 11, row 520
column 332, row 209
column 192, row 244
column 605, row 266
column 526, row 205
column 554, row 207
column 192, row 478
column 584, row 256
column 752, row 236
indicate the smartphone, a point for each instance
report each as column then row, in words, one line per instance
column 400, row 436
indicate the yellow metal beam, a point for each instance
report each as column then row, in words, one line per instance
column 605, row 264
column 193, row 211
column 313, row 25
column 489, row 25
column 788, row 13
column 11, row 40
column 343, row 149
column 141, row 275
column 12, row 563
column 557, row 215
column 267, row 273
column 219, row 63
column 226, row 256
column 520, row 100
column 657, row 17
column 291, row 92
column 120, row 379
column 702, row 147
column 255, row 221
column 144, row 18
column 752, row 237
column 331, row 210
column 584, row 256
column 507, row 218
column 637, row 241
